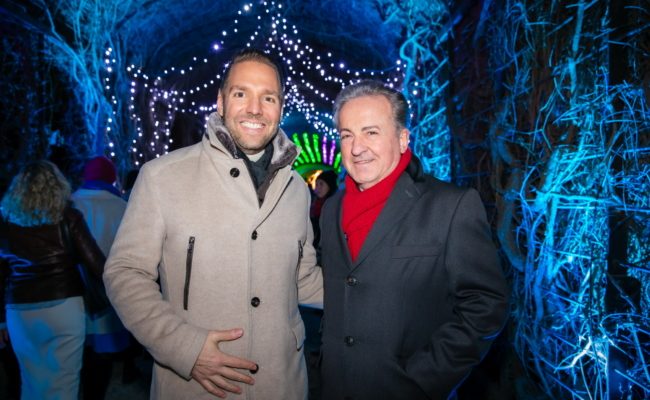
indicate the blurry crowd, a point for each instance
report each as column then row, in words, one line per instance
column 56, row 339
column 59, row 335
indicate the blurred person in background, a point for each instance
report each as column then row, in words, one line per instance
column 325, row 187
column 46, row 238
column 103, row 207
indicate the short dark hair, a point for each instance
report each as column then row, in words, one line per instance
column 374, row 88
column 251, row 54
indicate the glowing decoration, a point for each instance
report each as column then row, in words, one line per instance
column 564, row 148
column 311, row 179
column 276, row 35
column 317, row 151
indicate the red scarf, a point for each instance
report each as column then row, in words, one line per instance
column 361, row 209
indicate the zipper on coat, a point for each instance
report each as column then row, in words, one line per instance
column 297, row 272
column 188, row 271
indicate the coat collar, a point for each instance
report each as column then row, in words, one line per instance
column 399, row 203
column 284, row 151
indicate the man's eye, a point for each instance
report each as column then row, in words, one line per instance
column 238, row 94
column 345, row 136
column 372, row 132
column 270, row 99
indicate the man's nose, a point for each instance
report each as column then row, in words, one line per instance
column 358, row 146
column 254, row 106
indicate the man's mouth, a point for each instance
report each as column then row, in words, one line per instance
column 252, row 125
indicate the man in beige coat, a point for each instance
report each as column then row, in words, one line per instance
column 214, row 252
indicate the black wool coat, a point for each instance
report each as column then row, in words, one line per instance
column 423, row 301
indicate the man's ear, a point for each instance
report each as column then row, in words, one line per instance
column 403, row 140
column 220, row 104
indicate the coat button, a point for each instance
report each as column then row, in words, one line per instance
column 351, row 280
column 255, row 301
column 254, row 235
column 349, row 340
column 234, row 172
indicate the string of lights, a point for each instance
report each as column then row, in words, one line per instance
column 308, row 71
column 564, row 149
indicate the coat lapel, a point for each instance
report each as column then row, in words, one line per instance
column 340, row 235
column 402, row 198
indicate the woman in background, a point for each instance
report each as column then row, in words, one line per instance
column 43, row 288
column 325, row 187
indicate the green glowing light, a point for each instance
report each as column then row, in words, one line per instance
column 305, row 139
column 337, row 161
column 311, row 154
column 315, row 137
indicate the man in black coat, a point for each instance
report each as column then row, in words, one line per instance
column 414, row 293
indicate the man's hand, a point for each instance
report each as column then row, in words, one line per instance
column 216, row 370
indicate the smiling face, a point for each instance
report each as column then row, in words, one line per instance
column 371, row 143
column 250, row 105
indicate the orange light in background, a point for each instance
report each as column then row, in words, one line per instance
column 311, row 179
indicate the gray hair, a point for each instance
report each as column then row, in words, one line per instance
column 374, row 88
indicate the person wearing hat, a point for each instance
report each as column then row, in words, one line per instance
column 100, row 201
column 102, row 205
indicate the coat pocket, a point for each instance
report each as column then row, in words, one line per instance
column 188, row 271
column 409, row 251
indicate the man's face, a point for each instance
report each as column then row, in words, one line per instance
column 250, row 105
column 371, row 145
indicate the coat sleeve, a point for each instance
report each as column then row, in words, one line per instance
column 310, row 275
column 131, row 276
column 479, row 290
column 86, row 249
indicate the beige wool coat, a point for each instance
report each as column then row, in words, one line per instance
column 194, row 223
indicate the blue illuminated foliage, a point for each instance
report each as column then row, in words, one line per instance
column 516, row 98
column 570, row 150
column 425, row 85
